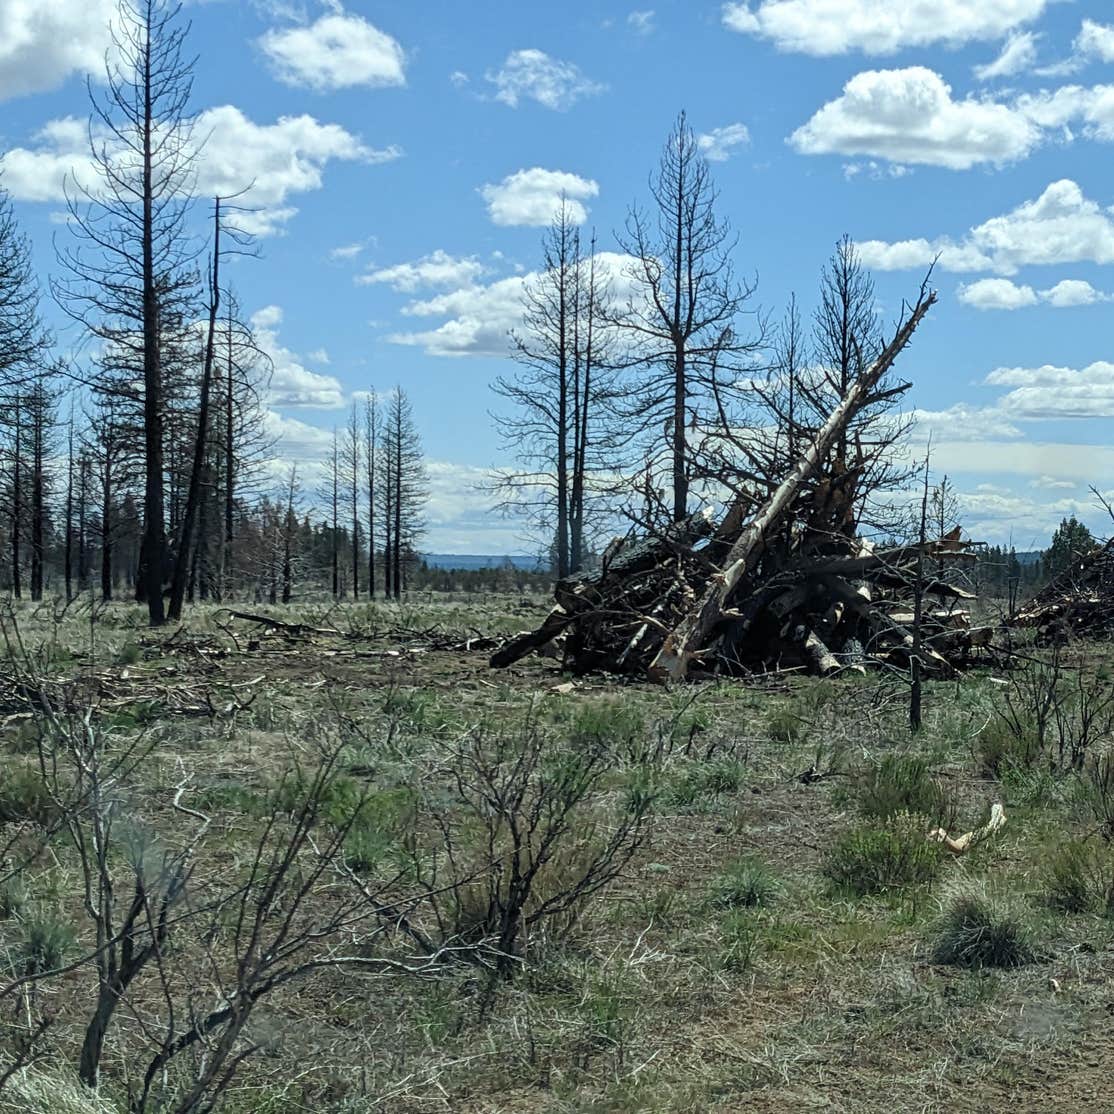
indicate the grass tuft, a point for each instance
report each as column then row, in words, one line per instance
column 977, row 929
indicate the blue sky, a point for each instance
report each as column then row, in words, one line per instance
column 406, row 152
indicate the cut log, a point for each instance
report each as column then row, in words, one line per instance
column 525, row 643
column 690, row 636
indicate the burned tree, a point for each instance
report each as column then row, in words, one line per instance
column 681, row 322
column 405, row 490
column 558, row 425
column 130, row 271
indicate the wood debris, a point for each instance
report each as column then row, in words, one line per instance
column 780, row 583
column 1079, row 603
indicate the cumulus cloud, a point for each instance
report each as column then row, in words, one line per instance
column 43, row 42
column 1018, row 55
column 719, row 144
column 534, row 75
column 532, row 198
column 997, row 293
column 277, row 161
column 292, row 384
column 1091, row 108
column 909, row 116
column 1007, row 295
column 1074, row 292
column 481, row 316
column 1095, row 41
column 439, row 270
column 480, row 320
column 1051, row 392
column 338, row 51
column 826, row 27
column 1061, row 226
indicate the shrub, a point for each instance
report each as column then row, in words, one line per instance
column 746, row 884
column 875, row 859
column 130, row 653
column 903, row 783
column 785, row 725
column 699, row 781
column 978, row 930
column 1096, row 791
column 25, row 796
column 1003, row 745
column 1079, row 878
column 14, row 896
column 46, row 941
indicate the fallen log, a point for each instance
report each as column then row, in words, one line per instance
column 689, row 637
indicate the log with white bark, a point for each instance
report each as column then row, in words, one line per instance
column 685, row 642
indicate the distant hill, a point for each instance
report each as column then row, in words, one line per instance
column 475, row 561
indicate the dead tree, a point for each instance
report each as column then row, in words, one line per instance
column 682, row 321
column 350, row 462
column 371, row 459
column 130, row 271
column 559, row 394
column 406, row 489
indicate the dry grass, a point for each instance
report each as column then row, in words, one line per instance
column 663, row 998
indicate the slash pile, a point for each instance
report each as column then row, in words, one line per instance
column 1077, row 603
column 781, row 583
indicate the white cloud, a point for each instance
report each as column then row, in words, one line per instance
column 1095, row 40
column 437, row 270
column 1004, row 294
column 1092, row 107
column 997, row 293
column 825, row 27
column 875, row 171
column 962, row 423
column 291, row 383
column 1050, row 483
column 277, row 161
column 338, row 51
column 296, row 442
column 641, row 22
column 1061, row 226
column 533, row 197
column 910, row 116
column 1018, row 55
column 534, row 75
column 719, row 144
column 481, row 317
column 42, row 42
column 347, row 251
column 1049, row 392
column 1074, row 292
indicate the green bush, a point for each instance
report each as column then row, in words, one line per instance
column 1079, row 878
column 129, row 654
column 785, row 725
column 745, row 884
column 14, row 896
column 24, row 796
column 903, row 783
column 1002, row 746
column 977, row 930
column 879, row 858
column 700, row 782
column 46, row 940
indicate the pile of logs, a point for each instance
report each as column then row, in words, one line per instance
column 1079, row 603
column 778, row 584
